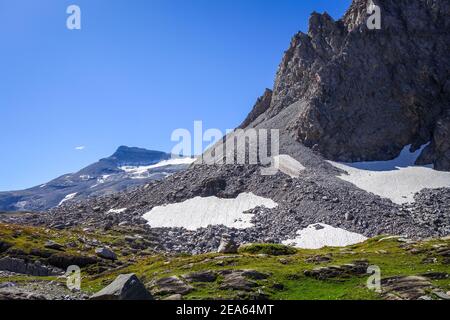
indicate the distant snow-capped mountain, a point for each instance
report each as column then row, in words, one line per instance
column 127, row 167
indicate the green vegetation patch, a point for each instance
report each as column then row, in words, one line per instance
column 269, row 249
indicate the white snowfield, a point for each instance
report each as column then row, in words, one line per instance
column 289, row 165
column 200, row 212
column 398, row 180
column 320, row 235
column 67, row 198
column 141, row 172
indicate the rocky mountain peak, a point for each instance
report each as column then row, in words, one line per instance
column 137, row 156
column 367, row 94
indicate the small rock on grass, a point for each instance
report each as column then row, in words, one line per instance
column 105, row 253
column 54, row 245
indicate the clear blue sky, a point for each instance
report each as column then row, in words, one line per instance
column 137, row 70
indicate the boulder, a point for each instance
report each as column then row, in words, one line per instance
column 4, row 246
column 227, row 244
column 124, row 287
column 54, row 245
column 106, row 253
column 64, row 260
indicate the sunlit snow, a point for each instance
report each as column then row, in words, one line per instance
column 320, row 235
column 200, row 212
column 67, row 198
column 141, row 172
column 397, row 180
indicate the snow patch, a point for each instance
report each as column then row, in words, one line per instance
column 289, row 165
column 320, row 235
column 103, row 178
column 200, row 212
column 141, row 172
column 20, row 205
column 67, row 198
column 398, row 180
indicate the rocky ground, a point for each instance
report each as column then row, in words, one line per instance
column 315, row 197
column 409, row 269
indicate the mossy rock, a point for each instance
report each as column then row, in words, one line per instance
column 271, row 249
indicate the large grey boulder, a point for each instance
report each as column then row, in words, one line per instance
column 125, row 287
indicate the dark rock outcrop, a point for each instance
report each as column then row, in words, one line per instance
column 170, row 285
column 63, row 260
column 124, row 287
column 346, row 270
column 21, row 266
column 200, row 276
column 405, row 288
column 4, row 246
column 241, row 279
column 261, row 106
column 367, row 94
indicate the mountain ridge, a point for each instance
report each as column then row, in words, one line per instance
column 102, row 177
column 366, row 94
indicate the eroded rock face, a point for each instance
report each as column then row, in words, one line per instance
column 23, row 267
column 369, row 93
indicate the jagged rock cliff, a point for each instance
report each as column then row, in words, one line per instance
column 366, row 94
column 261, row 106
